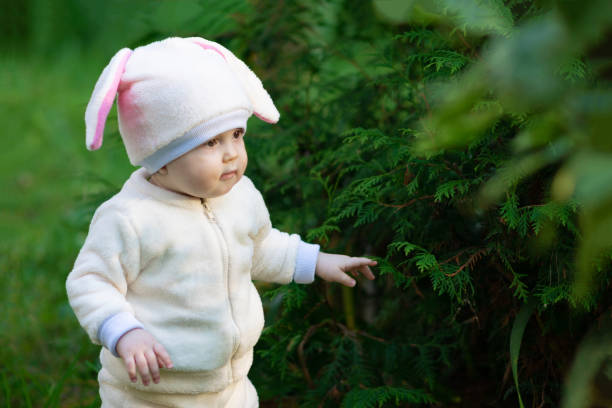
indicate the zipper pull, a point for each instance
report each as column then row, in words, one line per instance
column 208, row 211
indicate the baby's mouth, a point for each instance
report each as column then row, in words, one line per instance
column 229, row 174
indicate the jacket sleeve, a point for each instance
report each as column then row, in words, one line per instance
column 108, row 261
column 278, row 256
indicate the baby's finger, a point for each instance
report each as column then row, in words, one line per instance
column 153, row 367
column 368, row 261
column 131, row 368
column 366, row 271
column 354, row 263
column 346, row 280
column 363, row 270
column 162, row 355
column 143, row 368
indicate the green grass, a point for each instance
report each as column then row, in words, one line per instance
column 50, row 186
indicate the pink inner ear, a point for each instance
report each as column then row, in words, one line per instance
column 209, row 47
column 262, row 118
column 107, row 102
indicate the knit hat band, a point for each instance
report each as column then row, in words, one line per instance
column 195, row 137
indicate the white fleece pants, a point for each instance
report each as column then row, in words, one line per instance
column 241, row 394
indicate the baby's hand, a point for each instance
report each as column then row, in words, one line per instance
column 139, row 349
column 332, row 267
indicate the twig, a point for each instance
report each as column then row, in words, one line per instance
column 414, row 200
column 454, row 166
column 351, row 333
column 416, row 289
column 315, row 307
column 455, row 257
column 407, row 173
column 300, row 350
column 467, row 44
column 470, row 262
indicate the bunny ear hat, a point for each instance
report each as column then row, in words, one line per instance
column 172, row 96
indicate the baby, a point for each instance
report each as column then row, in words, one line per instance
column 164, row 278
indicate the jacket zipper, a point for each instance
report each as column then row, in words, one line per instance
column 225, row 256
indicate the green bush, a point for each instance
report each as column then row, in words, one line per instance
column 442, row 145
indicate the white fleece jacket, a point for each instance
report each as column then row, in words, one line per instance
column 182, row 267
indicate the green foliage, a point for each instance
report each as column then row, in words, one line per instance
column 588, row 381
column 378, row 397
column 516, row 336
column 431, row 166
column 549, row 72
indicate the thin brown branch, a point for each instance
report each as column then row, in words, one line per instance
column 417, row 290
column 470, row 262
column 406, row 204
column 353, row 333
column 311, row 330
column 467, row 44
column 456, row 256
column 453, row 167
column 369, row 336
column 407, row 175
column 313, row 309
column 426, row 103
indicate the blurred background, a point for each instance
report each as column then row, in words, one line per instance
column 464, row 144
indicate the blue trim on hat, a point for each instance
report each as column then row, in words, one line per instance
column 195, row 137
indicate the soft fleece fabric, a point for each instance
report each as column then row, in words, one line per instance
column 241, row 394
column 184, row 274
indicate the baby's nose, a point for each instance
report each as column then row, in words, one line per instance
column 230, row 153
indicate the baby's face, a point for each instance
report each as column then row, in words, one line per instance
column 211, row 169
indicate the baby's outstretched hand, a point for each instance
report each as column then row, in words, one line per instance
column 333, row 268
column 139, row 350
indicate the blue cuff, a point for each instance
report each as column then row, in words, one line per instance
column 305, row 262
column 114, row 327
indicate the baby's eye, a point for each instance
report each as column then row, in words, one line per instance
column 237, row 133
column 211, row 143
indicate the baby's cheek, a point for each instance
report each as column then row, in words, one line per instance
column 246, row 161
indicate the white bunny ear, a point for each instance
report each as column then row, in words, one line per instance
column 263, row 106
column 102, row 98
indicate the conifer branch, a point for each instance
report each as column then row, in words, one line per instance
column 475, row 257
